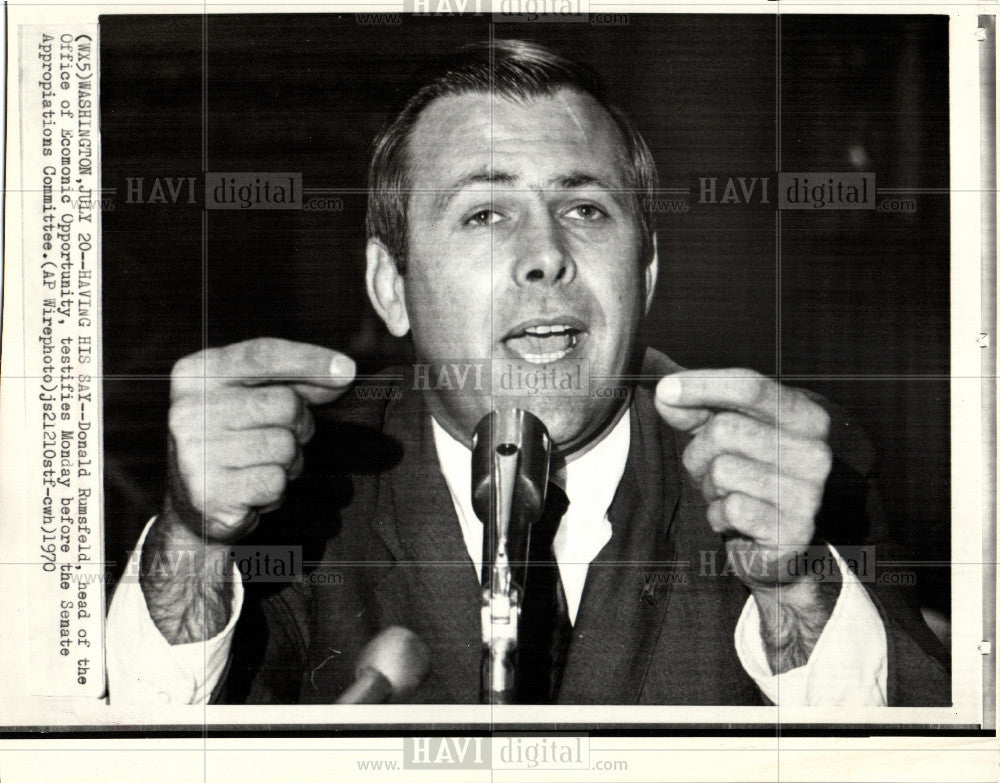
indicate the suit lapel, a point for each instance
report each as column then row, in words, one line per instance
column 623, row 604
column 433, row 587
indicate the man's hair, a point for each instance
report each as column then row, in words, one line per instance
column 517, row 70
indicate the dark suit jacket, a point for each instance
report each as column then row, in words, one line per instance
column 647, row 632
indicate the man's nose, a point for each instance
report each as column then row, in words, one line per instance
column 541, row 256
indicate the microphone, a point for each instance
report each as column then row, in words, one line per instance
column 510, row 472
column 511, row 450
column 391, row 665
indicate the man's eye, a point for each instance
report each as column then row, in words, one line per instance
column 483, row 218
column 586, row 212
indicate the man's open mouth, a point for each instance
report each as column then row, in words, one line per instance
column 541, row 342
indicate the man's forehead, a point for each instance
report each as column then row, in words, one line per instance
column 536, row 142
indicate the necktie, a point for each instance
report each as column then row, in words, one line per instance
column 544, row 631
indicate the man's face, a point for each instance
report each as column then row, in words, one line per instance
column 522, row 248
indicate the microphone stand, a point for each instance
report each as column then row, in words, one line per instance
column 510, row 467
column 501, row 596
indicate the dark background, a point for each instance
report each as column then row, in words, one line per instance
column 852, row 304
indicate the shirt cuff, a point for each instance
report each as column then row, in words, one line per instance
column 848, row 665
column 143, row 667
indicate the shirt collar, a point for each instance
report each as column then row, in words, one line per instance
column 590, row 482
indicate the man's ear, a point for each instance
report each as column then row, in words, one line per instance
column 386, row 288
column 652, row 270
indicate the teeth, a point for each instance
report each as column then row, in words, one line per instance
column 541, row 330
column 545, row 358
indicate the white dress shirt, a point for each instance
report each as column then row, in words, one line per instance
column 590, row 483
column 847, row 667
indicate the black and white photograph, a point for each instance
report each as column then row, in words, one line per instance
column 514, row 375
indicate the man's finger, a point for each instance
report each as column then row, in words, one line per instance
column 739, row 390
column 314, row 369
column 735, row 433
column 743, row 514
column 228, row 494
column 758, row 521
column 265, row 406
column 257, row 487
column 321, row 395
column 730, row 473
column 249, row 448
column 683, row 419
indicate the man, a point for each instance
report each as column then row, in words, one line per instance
column 508, row 224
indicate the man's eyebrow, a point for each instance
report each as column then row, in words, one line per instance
column 579, row 180
column 582, row 180
column 484, row 177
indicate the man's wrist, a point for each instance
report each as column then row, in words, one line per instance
column 792, row 618
column 186, row 581
column 173, row 548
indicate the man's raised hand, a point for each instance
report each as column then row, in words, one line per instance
column 239, row 417
column 760, row 456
